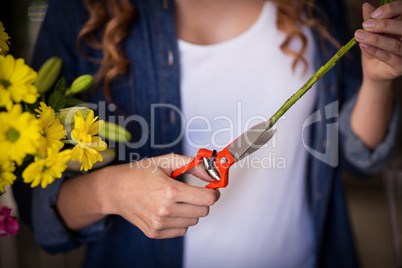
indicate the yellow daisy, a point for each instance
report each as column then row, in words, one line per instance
column 7, row 176
column 3, row 40
column 52, row 130
column 19, row 134
column 44, row 171
column 87, row 145
column 16, row 80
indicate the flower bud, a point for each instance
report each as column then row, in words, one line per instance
column 66, row 115
column 114, row 132
column 81, row 84
column 48, row 74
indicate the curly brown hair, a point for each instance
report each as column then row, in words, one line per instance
column 290, row 17
column 114, row 18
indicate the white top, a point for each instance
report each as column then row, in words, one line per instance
column 262, row 218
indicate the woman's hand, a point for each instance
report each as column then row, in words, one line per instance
column 147, row 196
column 142, row 192
column 381, row 41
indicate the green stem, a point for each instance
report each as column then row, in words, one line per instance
column 323, row 70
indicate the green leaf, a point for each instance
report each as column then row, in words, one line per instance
column 61, row 85
column 70, row 102
column 57, row 100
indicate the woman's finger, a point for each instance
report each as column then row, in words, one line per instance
column 387, row 26
column 395, row 62
column 379, row 41
column 199, row 172
column 390, row 10
column 195, row 195
column 184, row 210
column 368, row 9
column 166, row 233
column 158, row 223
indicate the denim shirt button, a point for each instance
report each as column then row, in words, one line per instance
column 172, row 116
column 170, row 58
column 165, row 4
column 325, row 143
column 318, row 196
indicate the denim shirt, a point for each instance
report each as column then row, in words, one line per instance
column 154, row 79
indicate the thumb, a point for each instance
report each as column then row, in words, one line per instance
column 199, row 172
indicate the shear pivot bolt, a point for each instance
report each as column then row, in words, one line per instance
column 224, row 160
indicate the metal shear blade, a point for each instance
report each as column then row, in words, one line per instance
column 217, row 164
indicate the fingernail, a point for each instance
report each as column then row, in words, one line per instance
column 361, row 35
column 364, row 46
column 377, row 13
column 365, row 5
column 368, row 24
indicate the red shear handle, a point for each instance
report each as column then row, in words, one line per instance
column 223, row 161
column 197, row 160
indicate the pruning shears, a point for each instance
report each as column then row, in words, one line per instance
column 217, row 164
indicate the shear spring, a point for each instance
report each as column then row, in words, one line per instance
column 210, row 167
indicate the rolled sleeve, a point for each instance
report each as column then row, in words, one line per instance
column 356, row 153
column 49, row 229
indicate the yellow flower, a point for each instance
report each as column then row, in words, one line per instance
column 87, row 145
column 52, row 130
column 16, row 80
column 44, row 171
column 19, row 134
column 7, row 176
column 3, row 40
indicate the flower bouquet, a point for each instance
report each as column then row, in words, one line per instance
column 35, row 147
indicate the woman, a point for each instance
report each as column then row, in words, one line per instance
column 221, row 53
